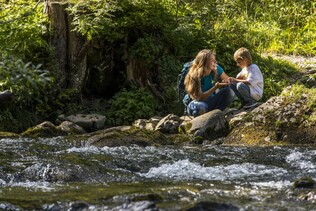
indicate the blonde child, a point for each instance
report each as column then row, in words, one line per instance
column 248, row 84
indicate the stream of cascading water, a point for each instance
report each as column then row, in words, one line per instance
column 250, row 178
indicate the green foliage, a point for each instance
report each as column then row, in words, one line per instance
column 146, row 49
column 23, row 50
column 276, row 26
column 171, row 24
column 298, row 91
column 27, row 81
column 127, row 106
column 23, row 29
column 30, row 86
column 277, row 75
column 16, row 120
column 170, row 67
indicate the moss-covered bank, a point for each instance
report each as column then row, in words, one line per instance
column 286, row 119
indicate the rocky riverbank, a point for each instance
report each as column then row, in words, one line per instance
column 288, row 119
column 282, row 120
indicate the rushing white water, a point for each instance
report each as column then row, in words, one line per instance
column 246, row 176
column 304, row 160
column 170, row 166
column 186, row 170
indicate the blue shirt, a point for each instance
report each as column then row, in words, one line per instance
column 207, row 81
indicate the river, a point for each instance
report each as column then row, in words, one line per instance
column 58, row 174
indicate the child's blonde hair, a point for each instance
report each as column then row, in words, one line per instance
column 243, row 54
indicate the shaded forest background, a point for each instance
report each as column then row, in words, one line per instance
column 121, row 58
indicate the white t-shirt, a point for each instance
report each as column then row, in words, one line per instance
column 255, row 78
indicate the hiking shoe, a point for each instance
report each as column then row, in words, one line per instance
column 250, row 105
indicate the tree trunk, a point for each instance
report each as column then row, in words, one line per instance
column 77, row 58
column 70, row 48
column 59, row 38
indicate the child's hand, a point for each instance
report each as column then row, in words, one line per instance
column 242, row 77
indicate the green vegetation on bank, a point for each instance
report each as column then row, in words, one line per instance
column 299, row 91
column 154, row 33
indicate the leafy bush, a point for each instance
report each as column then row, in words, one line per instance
column 28, row 82
column 127, row 106
column 30, row 86
column 23, row 30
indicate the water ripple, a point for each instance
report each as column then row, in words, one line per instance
column 185, row 170
column 302, row 160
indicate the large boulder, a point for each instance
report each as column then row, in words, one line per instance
column 169, row 124
column 71, row 128
column 45, row 129
column 89, row 122
column 209, row 126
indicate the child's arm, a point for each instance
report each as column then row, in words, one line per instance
column 242, row 79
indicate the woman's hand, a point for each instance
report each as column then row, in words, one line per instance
column 229, row 80
column 219, row 85
column 216, row 85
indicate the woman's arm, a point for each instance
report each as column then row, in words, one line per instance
column 210, row 91
column 225, row 82
column 224, row 77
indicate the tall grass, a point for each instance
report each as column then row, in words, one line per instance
column 277, row 26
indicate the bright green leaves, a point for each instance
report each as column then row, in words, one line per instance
column 96, row 19
column 23, row 29
column 28, row 82
column 23, row 48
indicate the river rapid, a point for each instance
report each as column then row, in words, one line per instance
column 58, row 174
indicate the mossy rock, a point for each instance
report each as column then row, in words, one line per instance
column 251, row 135
column 180, row 139
column 45, row 129
column 126, row 136
column 305, row 183
column 8, row 135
